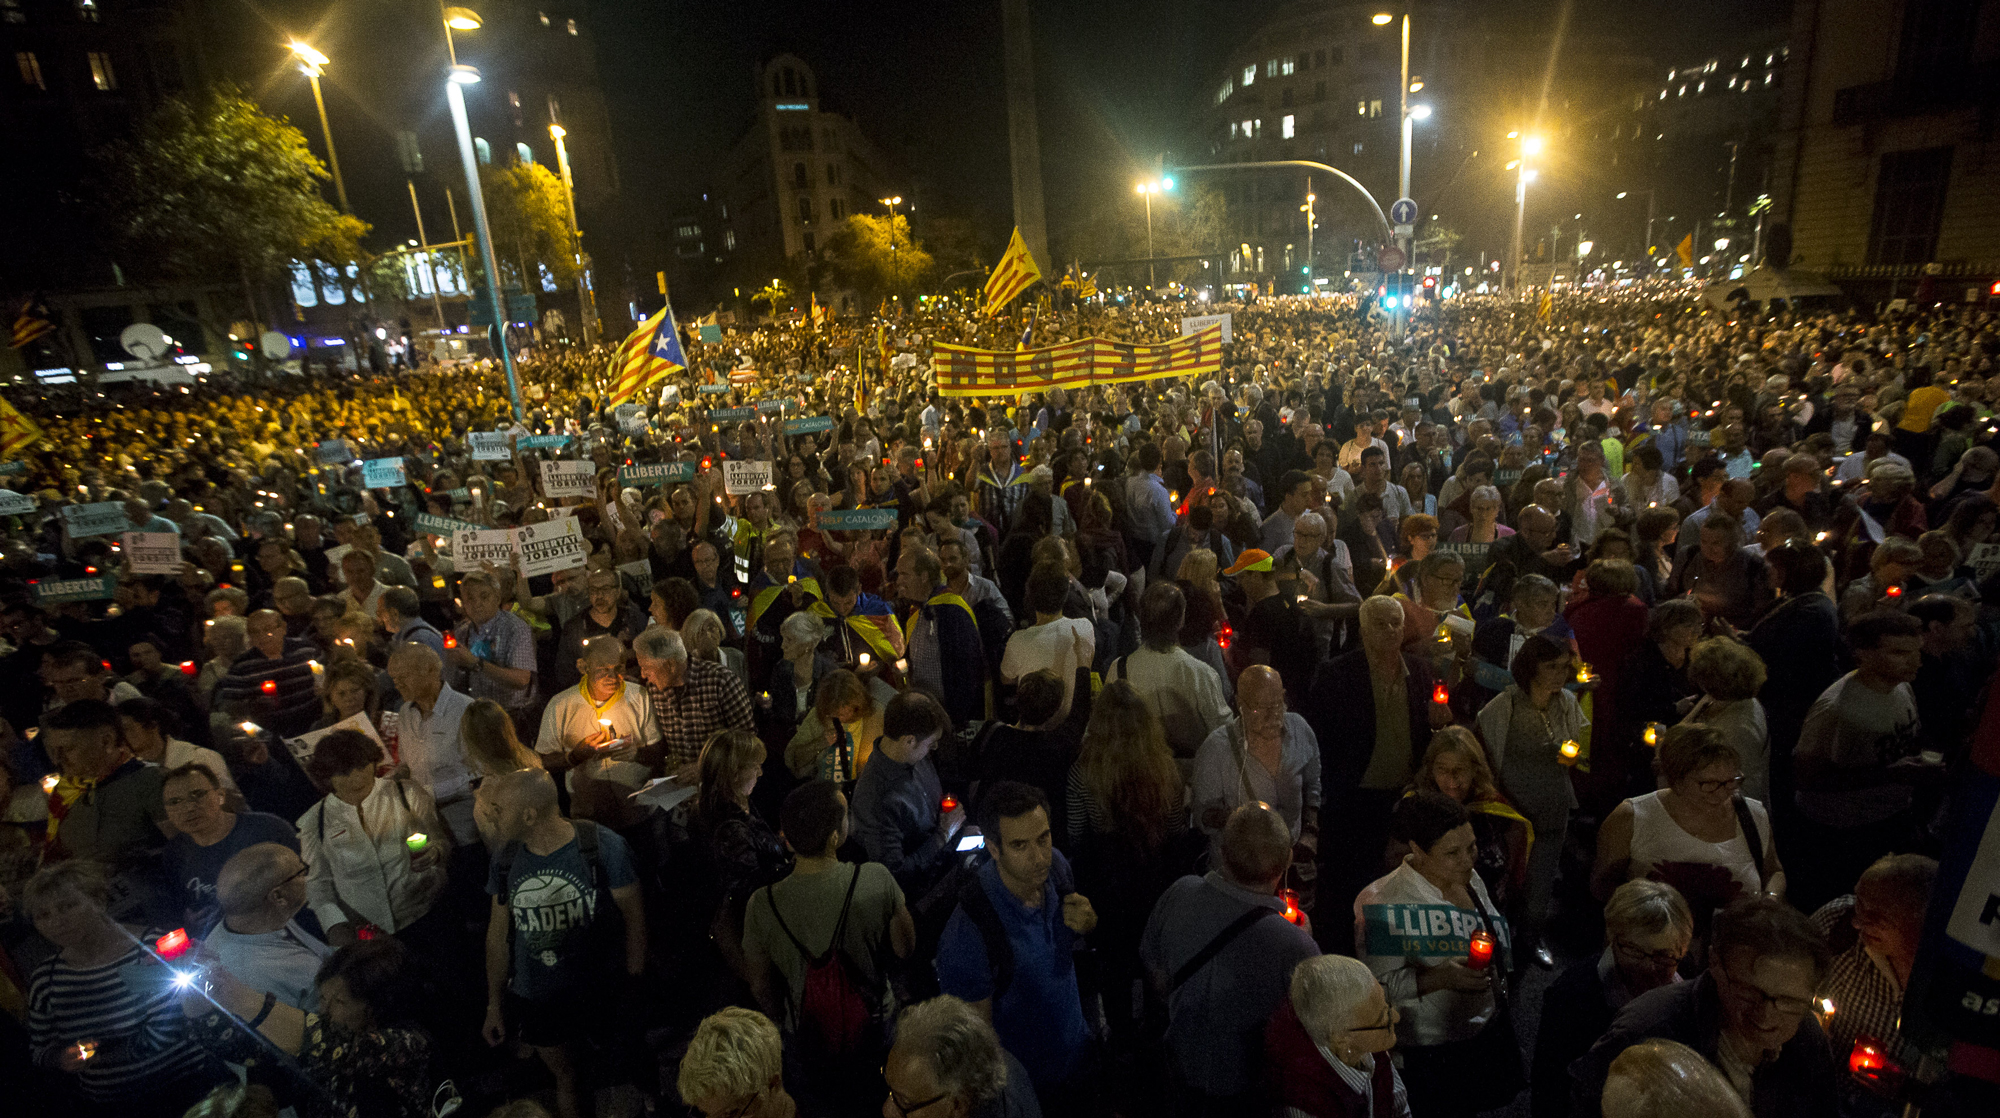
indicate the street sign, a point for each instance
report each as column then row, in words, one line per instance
column 1389, row 257
column 1403, row 211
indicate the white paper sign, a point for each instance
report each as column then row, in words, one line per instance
column 101, row 518
column 740, row 477
column 569, row 479
column 487, row 446
column 473, row 546
column 382, row 473
column 153, row 553
column 551, row 546
column 15, row 504
column 1197, row 323
column 302, row 747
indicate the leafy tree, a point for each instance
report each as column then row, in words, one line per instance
column 773, row 295
column 213, row 188
column 528, row 215
column 878, row 257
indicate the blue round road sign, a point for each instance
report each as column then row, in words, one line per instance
column 1404, row 212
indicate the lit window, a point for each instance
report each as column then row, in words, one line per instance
column 101, row 73
column 1289, row 129
column 524, row 153
column 729, row 239
column 1361, row 108
column 31, row 69
column 1232, row 130
column 1683, row 92
column 1248, row 129
column 1270, row 67
column 1357, row 147
column 1745, row 64
column 688, row 231
column 484, row 149
column 1770, row 58
column 1374, row 109
column 1260, row 127
column 411, row 155
column 1249, row 75
column 725, row 209
column 1700, row 87
column 1767, row 79
column 1286, row 64
column 1228, row 87
column 86, row 10
column 1671, row 73
column 572, row 27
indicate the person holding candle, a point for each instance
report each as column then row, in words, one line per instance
column 1874, row 933
column 116, row 1046
column 349, row 689
column 1533, row 732
column 1460, row 1055
column 1455, row 764
column 594, row 732
column 362, row 871
column 1648, row 929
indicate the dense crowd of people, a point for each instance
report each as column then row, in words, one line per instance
column 1241, row 745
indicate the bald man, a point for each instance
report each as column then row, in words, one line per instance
column 1266, row 754
column 1216, row 1011
column 272, row 681
column 259, row 941
column 596, row 728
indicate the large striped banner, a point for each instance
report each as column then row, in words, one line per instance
column 964, row 371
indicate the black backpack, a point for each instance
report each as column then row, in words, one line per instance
column 992, row 933
column 607, row 923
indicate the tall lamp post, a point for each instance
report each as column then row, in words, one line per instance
column 1649, row 223
column 457, row 78
column 1308, row 210
column 1530, row 146
column 1406, row 117
column 585, row 306
column 312, row 63
column 1146, row 190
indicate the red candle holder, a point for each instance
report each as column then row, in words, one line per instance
column 1893, row 592
column 270, row 687
column 948, row 805
column 188, row 667
column 1479, row 954
column 173, row 945
column 450, row 641
column 1440, row 694
column 1293, row 912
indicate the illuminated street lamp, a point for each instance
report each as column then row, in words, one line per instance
column 892, row 203
column 1146, row 190
column 1530, row 146
column 457, row 78
column 1406, row 116
column 1310, row 222
column 585, row 305
column 1649, row 218
column 312, row 63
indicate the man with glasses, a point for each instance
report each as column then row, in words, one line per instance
column 210, row 835
column 262, row 890
column 947, row 1061
column 610, row 614
column 1748, row 1016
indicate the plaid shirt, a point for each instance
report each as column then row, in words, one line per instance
column 1866, row 998
column 711, row 699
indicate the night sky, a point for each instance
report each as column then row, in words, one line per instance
column 1116, row 81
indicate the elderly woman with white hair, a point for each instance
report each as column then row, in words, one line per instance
column 703, row 634
column 788, row 693
column 1327, row 1046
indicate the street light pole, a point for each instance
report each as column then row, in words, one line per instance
column 1530, row 146
column 312, row 63
column 584, row 305
column 1152, row 280
column 454, row 91
column 430, row 259
column 1308, row 208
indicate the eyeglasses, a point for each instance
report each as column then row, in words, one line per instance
column 1711, row 787
column 907, row 1109
column 1746, row 992
column 1388, row 1022
column 295, row 874
column 191, row 798
column 1657, row 958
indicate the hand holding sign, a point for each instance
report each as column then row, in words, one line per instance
column 741, row 477
column 152, row 553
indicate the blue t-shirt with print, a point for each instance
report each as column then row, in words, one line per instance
column 194, row 868
column 1040, row 1017
column 555, row 906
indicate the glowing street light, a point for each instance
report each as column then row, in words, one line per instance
column 1530, row 146
column 1420, row 112
column 457, row 77
column 586, row 306
column 1382, row 19
column 312, row 63
column 1146, row 190
column 461, row 19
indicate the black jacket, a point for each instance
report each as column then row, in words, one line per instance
column 1574, row 1015
column 1340, row 707
column 1801, row 1082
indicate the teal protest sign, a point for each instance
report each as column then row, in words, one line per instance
column 855, row 520
column 731, row 415
column 462, row 493
column 9, row 468
column 435, row 525
column 1474, row 554
column 1423, row 931
column 50, row 590
column 712, row 390
column 332, row 452
column 808, row 425
column 769, row 406
column 529, row 442
column 100, row 518
column 656, row 473
column 382, row 473
column 710, row 333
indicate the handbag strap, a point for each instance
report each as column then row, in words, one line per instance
column 1214, row 947
column 1755, row 837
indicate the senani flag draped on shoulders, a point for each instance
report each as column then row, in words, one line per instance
column 647, row 356
column 964, row 371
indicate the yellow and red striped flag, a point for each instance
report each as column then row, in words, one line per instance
column 1013, row 275
column 965, row 371
column 29, row 324
column 647, row 356
column 17, row 431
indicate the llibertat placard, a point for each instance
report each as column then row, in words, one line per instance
column 551, row 546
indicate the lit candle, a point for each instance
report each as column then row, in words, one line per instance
column 1826, row 1007
column 865, row 660
column 172, row 945
column 948, row 805
column 1893, row 592
column 317, row 667
column 1570, row 751
column 50, row 781
column 269, row 686
column 1293, row 912
column 451, row 640
column 188, row 667
column 1440, row 694
column 1584, row 674
column 250, row 728
column 437, row 581
column 1479, row 951
column 902, row 665
column 85, row 1049
column 1653, row 732
column 417, row 842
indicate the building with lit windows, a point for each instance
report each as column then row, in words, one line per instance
column 790, row 179
column 1882, row 177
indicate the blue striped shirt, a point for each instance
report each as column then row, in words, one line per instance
column 137, row 1025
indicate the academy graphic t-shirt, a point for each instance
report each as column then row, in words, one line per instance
column 555, row 907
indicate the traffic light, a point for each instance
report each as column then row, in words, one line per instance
column 1430, row 288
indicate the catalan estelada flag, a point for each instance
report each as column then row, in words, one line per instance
column 29, row 324
column 17, row 431
column 647, row 356
column 964, row 371
column 1013, row 275
column 1686, row 251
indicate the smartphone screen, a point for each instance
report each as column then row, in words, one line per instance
column 972, row 842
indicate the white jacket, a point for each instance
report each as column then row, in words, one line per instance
column 358, row 861
column 1440, row 1016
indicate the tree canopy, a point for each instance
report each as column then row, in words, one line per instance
column 528, row 214
column 878, row 257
